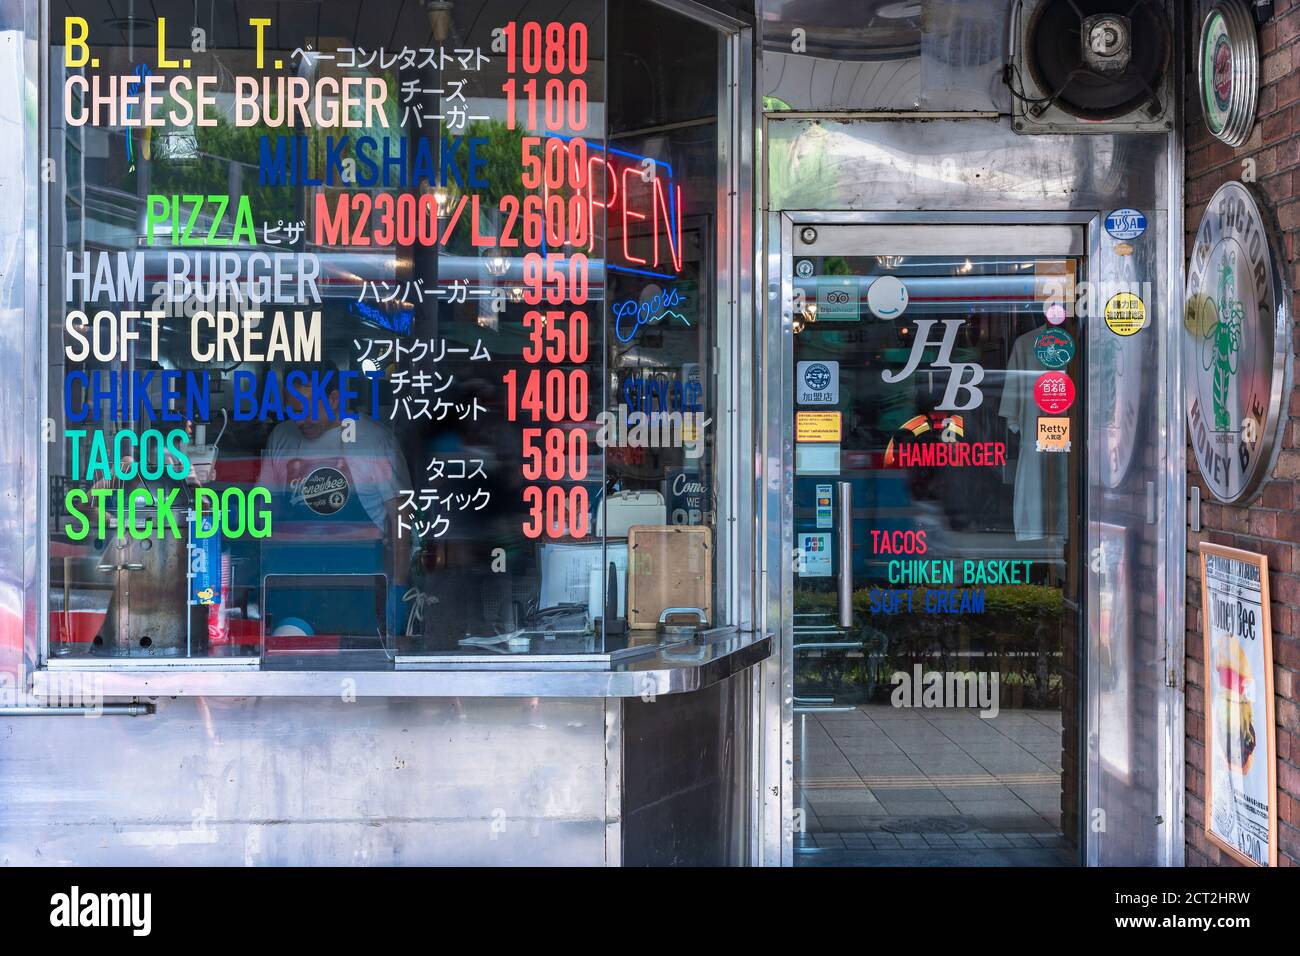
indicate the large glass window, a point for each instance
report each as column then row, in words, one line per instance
column 383, row 330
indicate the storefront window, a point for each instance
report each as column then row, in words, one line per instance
column 393, row 337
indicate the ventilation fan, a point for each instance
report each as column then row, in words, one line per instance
column 1091, row 66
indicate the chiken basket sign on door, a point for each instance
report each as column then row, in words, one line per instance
column 1240, row 758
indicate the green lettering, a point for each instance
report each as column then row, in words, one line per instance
column 244, row 223
column 74, row 497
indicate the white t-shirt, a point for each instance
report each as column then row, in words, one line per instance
column 1040, row 502
column 371, row 467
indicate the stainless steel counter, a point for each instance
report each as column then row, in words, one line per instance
column 669, row 669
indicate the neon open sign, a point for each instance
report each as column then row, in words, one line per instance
column 641, row 204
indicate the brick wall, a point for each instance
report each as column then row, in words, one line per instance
column 1271, row 523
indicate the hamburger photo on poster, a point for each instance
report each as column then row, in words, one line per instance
column 1240, row 784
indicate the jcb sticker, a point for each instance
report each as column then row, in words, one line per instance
column 1126, row 313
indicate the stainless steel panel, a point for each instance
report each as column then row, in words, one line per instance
column 930, row 55
column 309, row 781
column 21, row 496
column 846, row 553
column 990, row 239
column 672, row 669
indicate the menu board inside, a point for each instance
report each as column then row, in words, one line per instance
column 374, row 328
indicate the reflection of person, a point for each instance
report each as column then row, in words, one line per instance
column 335, row 483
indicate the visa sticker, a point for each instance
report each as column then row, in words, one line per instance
column 1124, row 224
column 825, row 516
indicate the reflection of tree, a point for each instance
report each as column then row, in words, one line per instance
column 503, row 172
column 1018, row 637
column 798, row 167
column 209, row 173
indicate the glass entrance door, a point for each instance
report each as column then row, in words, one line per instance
column 938, row 446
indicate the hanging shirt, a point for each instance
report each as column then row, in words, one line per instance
column 331, row 497
column 1040, row 499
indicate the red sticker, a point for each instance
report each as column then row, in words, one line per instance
column 1054, row 392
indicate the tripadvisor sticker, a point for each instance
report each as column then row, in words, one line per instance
column 1054, row 348
column 1126, row 313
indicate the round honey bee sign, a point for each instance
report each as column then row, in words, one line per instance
column 1236, row 336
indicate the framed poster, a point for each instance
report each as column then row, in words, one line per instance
column 1240, row 765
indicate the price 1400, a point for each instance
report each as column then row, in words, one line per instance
column 555, row 395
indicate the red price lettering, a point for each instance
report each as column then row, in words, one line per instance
column 556, row 512
column 554, row 454
column 556, row 278
column 560, row 396
column 555, row 165
column 552, row 47
column 563, row 103
column 555, row 337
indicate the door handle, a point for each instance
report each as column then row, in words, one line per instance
column 132, row 566
column 846, row 554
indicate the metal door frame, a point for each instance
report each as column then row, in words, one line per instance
column 777, row 531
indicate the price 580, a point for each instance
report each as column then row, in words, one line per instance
column 555, row 454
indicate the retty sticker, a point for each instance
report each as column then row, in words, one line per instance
column 1053, row 434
